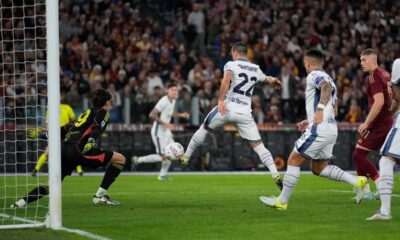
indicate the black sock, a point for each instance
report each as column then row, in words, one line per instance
column 36, row 193
column 111, row 174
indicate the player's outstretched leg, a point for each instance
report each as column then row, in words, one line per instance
column 195, row 142
column 333, row 172
column 117, row 163
column 290, row 180
column 268, row 161
column 135, row 160
column 386, row 165
column 364, row 166
column 34, row 195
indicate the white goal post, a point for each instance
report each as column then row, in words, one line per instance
column 29, row 87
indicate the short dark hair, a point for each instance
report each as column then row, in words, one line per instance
column 369, row 51
column 240, row 47
column 315, row 54
column 173, row 84
column 99, row 97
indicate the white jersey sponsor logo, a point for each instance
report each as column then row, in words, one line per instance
column 244, row 76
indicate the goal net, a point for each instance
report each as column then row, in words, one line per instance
column 23, row 105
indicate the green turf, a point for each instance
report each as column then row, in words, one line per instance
column 218, row 207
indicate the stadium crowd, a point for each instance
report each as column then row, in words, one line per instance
column 134, row 48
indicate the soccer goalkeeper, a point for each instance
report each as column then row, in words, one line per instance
column 80, row 147
column 67, row 115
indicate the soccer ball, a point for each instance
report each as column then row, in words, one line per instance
column 173, row 151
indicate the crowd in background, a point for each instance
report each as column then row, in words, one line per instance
column 135, row 48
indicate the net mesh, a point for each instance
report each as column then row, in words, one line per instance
column 23, row 96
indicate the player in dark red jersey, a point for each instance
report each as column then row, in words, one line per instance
column 80, row 147
column 376, row 126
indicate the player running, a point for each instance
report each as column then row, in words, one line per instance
column 376, row 126
column 234, row 106
column 80, row 147
column 161, row 131
column 319, row 137
column 390, row 151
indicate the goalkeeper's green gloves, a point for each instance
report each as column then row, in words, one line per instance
column 35, row 133
column 91, row 143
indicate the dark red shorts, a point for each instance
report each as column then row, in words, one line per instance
column 373, row 138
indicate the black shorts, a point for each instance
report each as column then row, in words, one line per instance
column 72, row 157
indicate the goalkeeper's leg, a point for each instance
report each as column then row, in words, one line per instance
column 116, row 164
column 33, row 195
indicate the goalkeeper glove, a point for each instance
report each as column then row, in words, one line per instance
column 91, row 143
column 35, row 133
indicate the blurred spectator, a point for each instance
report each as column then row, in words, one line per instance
column 145, row 44
column 196, row 18
column 355, row 114
column 288, row 92
column 115, row 111
column 153, row 81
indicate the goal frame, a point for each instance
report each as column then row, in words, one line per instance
column 54, row 217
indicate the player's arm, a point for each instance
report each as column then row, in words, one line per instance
column 222, row 92
column 273, row 81
column 326, row 90
column 181, row 115
column 379, row 100
column 155, row 115
column 99, row 124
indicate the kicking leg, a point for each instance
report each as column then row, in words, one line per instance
column 290, row 180
column 195, row 142
column 267, row 160
column 364, row 166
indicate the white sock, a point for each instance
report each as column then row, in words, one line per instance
column 196, row 141
column 21, row 203
column 335, row 173
column 150, row 158
column 290, row 180
column 164, row 167
column 101, row 192
column 266, row 158
column 386, row 187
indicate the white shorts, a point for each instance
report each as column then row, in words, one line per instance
column 161, row 142
column 391, row 146
column 317, row 145
column 244, row 123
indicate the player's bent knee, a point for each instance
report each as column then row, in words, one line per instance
column 296, row 159
column 118, row 158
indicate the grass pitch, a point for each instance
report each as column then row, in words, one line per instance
column 216, row 207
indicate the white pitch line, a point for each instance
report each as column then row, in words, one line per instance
column 348, row 191
column 32, row 223
column 85, row 234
